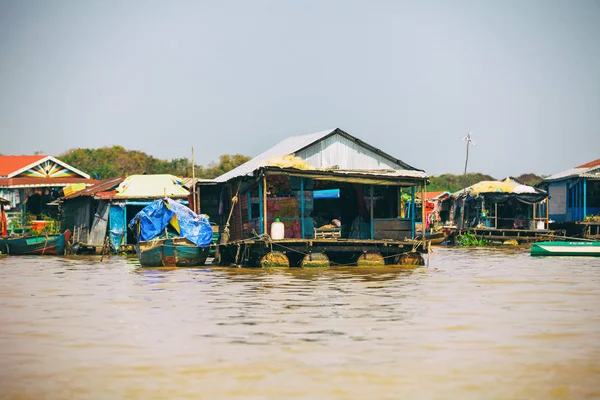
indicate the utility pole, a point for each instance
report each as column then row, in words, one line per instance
column 469, row 141
column 462, row 214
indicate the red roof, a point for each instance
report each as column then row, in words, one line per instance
column 591, row 164
column 42, row 182
column 10, row 164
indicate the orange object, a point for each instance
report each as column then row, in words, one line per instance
column 38, row 226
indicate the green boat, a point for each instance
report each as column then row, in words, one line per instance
column 51, row 244
column 171, row 252
column 589, row 249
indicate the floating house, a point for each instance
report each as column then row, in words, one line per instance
column 501, row 210
column 575, row 199
column 338, row 199
column 29, row 183
column 105, row 209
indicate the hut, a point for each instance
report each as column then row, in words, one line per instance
column 501, row 210
column 87, row 215
column 103, row 210
column 574, row 203
column 31, row 182
column 338, row 198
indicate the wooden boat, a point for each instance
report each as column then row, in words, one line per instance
column 51, row 244
column 171, row 252
column 566, row 249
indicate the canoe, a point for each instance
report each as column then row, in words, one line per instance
column 566, row 249
column 52, row 244
column 171, row 252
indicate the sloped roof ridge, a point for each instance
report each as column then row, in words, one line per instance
column 294, row 144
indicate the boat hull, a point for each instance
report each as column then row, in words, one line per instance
column 585, row 249
column 171, row 252
column 35, row 245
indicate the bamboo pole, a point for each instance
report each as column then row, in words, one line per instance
column 264, row 205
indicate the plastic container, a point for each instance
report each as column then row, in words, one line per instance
column 540, row 225
column 277, row 230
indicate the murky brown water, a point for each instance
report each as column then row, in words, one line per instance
column 476, row 324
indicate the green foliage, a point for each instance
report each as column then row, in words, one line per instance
column 116, row 161
column 453, row 183
column 468, row 239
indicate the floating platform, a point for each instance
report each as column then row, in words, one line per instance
column 322, row 252
column 522, row 236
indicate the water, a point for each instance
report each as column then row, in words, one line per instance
column 476, row 324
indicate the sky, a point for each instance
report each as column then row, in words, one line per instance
column 409, row 77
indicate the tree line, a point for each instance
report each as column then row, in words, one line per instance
column 116, row 161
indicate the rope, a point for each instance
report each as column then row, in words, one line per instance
column 234, row 201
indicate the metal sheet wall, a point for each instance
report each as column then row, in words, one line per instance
column 346, row 154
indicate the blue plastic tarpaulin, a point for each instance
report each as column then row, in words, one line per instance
column 155, row 217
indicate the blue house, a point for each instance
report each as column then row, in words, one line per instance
column 574, row 194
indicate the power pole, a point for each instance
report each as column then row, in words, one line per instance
column 462, row 214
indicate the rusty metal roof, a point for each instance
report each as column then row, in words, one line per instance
column 101, row 186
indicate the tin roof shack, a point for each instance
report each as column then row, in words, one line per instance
column 338, row 198
column 31, row 182
column 501, row 210
column 133, row 194
column 87, row 215
column 575, row 199
column 105, row 209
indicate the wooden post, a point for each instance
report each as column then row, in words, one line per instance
column 260, row 209
column 584, row 198
column 423, row 210
column 264, row 204
column 496, row 215
column 412, row 211
column 547, row 215
column 534, row 215
column 302, row 206
column 372, row 207
column 198, row 200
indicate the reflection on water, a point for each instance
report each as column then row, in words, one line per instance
column 493, row 324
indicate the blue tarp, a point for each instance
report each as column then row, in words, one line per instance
column 155, row 217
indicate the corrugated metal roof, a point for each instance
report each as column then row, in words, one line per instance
column 296, row 144
column 99, row 187
column 589, row 172
column 150, row 187
column 189, row 182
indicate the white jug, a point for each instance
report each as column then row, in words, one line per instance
column 277, row 230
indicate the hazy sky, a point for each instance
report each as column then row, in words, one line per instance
column 409, row 77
